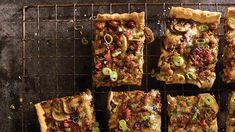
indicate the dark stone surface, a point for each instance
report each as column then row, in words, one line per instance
column 13, row 116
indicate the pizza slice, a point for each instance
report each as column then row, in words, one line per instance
column 190, row 47
column 231, row 110
column 134, row 111
column 192, row 113
column 72, row 113
column 229, row 47
column 118, row 49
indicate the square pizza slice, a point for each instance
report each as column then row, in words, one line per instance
column 229, row 47
column 192, row 113
column 118, row 49
column 231, row 113
column 190, row 47
column 67, row 114
column 134, row 111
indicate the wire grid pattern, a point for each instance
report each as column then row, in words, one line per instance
column 56, row 64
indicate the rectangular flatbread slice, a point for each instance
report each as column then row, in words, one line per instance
column 134, row 111
column 192, row 113
column 231, row 113
column 229, row 47
column 190, row 47
column 118, row 49
column 72, row 113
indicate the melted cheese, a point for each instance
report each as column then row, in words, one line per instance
column 190, row 33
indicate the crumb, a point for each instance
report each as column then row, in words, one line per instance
column 71, row 21
column 12, row 107
column 35, row 34
column 9, row 117
column 30, row 103
column 84, row 15
column 158, row 22
column 21, row 100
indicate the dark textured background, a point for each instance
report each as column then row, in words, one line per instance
column 10, row 61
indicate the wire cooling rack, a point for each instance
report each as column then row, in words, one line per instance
column 56, row 63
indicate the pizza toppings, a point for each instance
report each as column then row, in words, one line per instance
column 200, row 41
column 134, row 111
column 123, row 125
column 59, row 116
column 178, row 60
column 185, row 113
column 107, row 71
column 108, row 38
column 231, row 22
column 189, row 43
column 149, row 36
column 190, row 75
column 201, row 56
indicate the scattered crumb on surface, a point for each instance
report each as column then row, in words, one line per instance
column 12, row 107
column 9, row 117
column 21, row 100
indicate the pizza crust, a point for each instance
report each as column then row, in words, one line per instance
column 230, row 12
column 196, row 15
column 137, row 17
column 110, row 97
column 41, row 117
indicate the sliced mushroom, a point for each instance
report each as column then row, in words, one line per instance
column 67, row 109
column 231, row 23
column 182, row 27
column 124, row 44
column 149, row 36
column 59, row 116
column 230, row 35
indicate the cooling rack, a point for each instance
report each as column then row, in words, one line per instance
column 56, row 63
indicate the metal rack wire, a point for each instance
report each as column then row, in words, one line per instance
column 54, row 59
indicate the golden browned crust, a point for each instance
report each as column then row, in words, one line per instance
column 137, row 17
column 110, row 97
column 230, row 117
column 41, row 117
column 196, row 15
column 230, row 12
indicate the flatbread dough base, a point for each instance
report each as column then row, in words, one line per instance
column 41, row 117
